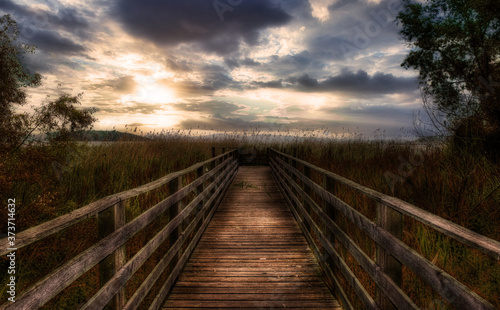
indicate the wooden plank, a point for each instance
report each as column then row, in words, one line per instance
column 164, row 290
column 240, row 263
column 268, row 286
column 55, row 282
column 109, row 221
column 107, row 292
column 249, row 290
column 136, row 299
column 449, row 288
column 51, row 227
column 387, row 284
column 477, row 241
column 256, row 306
column 249, row 296
column 267, row 304
column 392, row 222
column 351, row 278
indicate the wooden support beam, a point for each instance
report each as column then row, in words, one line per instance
column 392, row 222
column 110, row 220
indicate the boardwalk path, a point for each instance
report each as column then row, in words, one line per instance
column 252, row 255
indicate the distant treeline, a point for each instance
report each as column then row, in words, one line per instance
column 100, row 135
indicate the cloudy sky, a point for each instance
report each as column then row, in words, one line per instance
column 225, row 64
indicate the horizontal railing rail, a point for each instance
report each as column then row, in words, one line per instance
column 213, row 177
column 293, row 177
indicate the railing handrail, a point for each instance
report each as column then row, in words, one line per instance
column 479, row 242
column 53, row 226
column 392, row 253
column 223, row 168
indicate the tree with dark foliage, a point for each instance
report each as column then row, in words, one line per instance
column 26, row 167
column 455, row 46
column 59, row 116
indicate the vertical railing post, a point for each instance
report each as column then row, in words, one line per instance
column 109, row 221
column 391, row 221
column 331, row 212
column 213, row 164
column 173, row 211
column 223, row 150
column 200, row 188
column 307, row 190
column 293, row 163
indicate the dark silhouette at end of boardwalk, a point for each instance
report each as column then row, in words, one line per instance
column 252, row 255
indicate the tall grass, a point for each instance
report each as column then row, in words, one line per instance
column 463, row 189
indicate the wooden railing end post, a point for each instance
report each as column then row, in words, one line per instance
column 392, row 222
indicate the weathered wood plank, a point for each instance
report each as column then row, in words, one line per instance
column 160, row 297
column 356, row 285
column 136, row 299
column 262, row 304
column 247, row 247
column 51, row 227
column 52, row 284
column 381, row 279
column 249, row 296
column 479, row 242
column 107, row 292
column 448, row 287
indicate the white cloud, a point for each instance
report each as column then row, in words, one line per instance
column 320, row 9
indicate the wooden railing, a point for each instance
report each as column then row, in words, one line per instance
column 213, row 177
column 318, row 222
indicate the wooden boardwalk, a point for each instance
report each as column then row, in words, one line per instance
column 252, row 255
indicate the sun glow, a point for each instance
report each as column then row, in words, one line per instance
column 155, row 94
column 150, row 92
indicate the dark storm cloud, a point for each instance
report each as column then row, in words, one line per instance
column 218, row 80
column 175, row 22
column 70, row 19
column 45, row 29
column 48, row 62
column 356, row 27
column 287, row 65
column 64, row 18
column 231, row 63
column 250, row 62
column 178, row 65
column 51, row 41
column 327, row 46
column 270, row 84
column 357, row 82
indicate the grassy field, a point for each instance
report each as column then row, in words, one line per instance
column 461, row 188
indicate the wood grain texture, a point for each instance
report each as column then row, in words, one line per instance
column 444, row 284
column 252, row 255
column 49, row 286
column 474, row 240
column 43, row 230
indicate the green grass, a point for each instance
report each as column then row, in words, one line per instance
column 463, row 189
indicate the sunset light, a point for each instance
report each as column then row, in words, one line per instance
column 306, row 64
column 250, row 154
